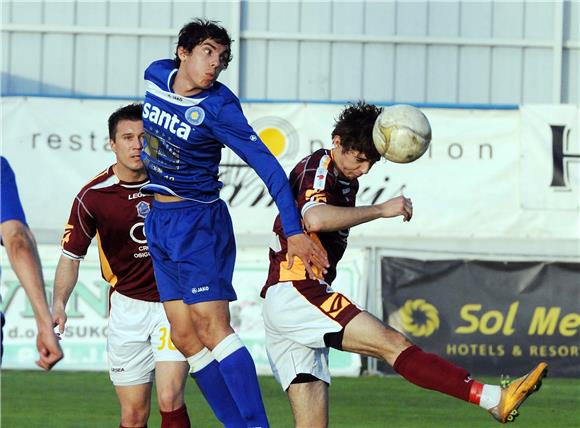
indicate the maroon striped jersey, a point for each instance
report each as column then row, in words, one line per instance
column 315, row 180
column 114, row 211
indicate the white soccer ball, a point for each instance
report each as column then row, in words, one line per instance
column 401, row 133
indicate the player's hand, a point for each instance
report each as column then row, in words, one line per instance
column 398, row 206
column 59, row 318
column 309, row 252
column 49, row 350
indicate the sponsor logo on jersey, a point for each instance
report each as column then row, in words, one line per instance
column 143, row 209
column 175, row 97
column 170, row 122
column 321, row 173
column 195, row 115
column 137, row 233
column 136, row 196
column 320, row 179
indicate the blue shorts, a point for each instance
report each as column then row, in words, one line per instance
column 193, row 250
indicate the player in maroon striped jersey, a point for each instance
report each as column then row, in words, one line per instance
column 304, row 317
column 139, row 348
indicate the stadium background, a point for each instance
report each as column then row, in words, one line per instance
column 487, row 273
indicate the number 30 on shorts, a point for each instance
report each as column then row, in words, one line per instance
column 165, row 340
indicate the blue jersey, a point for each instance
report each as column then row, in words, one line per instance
column 10, row 206
column 184, row 137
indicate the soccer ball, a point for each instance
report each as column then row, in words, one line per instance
column 401, row 133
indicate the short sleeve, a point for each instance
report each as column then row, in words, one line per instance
column 79, row 231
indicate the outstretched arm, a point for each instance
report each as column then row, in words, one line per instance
column 233, row 131
column 65, row 279
column 25, row 261
column 328, row 218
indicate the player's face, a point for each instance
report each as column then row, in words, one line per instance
column 351, row 164
column 128, row 144
column 202, row 66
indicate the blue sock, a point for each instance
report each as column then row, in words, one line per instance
column 239, row 372
column 205, row 370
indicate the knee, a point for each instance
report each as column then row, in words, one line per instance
column 393, row 346
column 202, row 327
column 211, row 331
column 169, row 399
column 134, row 416
column 182, row 340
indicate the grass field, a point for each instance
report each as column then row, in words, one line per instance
column 86, row 399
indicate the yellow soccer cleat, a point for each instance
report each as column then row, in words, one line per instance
column 513, row 395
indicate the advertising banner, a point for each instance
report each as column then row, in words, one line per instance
column 550, row 172
column 487, row 174
column 84, row 339
column 489, row 317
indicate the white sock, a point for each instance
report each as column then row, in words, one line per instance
column 227, row 346
column 199, row 360
column 490, row 396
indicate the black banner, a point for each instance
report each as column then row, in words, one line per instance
column 491, row 318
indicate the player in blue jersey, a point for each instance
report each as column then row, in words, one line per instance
column 188, row 118
column 23, row 255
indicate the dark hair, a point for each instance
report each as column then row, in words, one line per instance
column 199, row 30
column 130, row 112
column 354, row 126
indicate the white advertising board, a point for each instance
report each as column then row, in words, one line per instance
column 487, row 174
column 85, row 334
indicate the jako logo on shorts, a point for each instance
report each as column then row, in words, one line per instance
column 195, row 290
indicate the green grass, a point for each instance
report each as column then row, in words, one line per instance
column 87, row 399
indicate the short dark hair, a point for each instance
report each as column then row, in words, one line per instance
column 130, row 112
column 354, row 126
column 197, row 31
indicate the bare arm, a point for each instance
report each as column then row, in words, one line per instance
column 65, row 279
column 25, row 261
column 328, row 218
column 23, row 255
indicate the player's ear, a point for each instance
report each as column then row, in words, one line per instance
column 113, row 145
column 182, row 53
column 336, row 141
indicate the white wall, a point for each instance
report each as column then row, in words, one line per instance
column 483, row 52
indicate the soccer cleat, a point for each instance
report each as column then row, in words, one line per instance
column 514, row 394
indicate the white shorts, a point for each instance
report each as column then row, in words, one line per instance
column 139, row 336
column 296, row 321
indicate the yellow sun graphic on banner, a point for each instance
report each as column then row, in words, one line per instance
column 419, row 318
column 274, row 139
column 279, row 136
